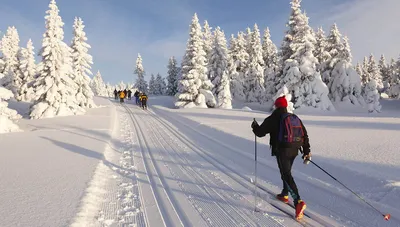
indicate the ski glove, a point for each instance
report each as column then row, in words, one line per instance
column 306, row 158
column 254, row 124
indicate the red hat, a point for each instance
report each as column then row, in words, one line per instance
column 281, row 102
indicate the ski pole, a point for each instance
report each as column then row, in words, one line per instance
column 385, row 216
column 255, row 173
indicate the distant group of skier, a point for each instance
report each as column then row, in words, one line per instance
column 140, row 97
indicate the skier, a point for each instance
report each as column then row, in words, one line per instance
column 143, row 100
column 115, row 94
column 285, row 148
column 129, row 94
column 121, row 96
column 136, row 96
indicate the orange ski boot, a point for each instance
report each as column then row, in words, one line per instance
column 283, row 198
column 300, row 207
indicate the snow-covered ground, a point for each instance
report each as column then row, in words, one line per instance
column 122, row 166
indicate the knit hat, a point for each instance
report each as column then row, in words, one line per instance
column 281, row 102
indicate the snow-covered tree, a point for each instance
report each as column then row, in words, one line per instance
column 238, row 60
column 218, row 66
column 54, row 88
column 271, row 64
column 152, row 85
column 27, row 67
column 109, row 90
column 394, row 90
column 7, row 115
column 97, row 85
column 12, row 79
column 345, row 83
column 193, row 82
column 121, row 86
column 334, row 47
column 284, row 91
column 81, row 63
column 374, row 72
column 254, row 77
column 141, row 83
column 160, row 85
column 208, row 40
column 300, row 73
column 321, row 52
column 372, row 96
column 384, row 70
column 173, row 72
column 365, row 76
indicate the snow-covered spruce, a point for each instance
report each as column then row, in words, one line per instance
column 271, row 64
column 152, row 84
column 345, row 83
column 110, row 90
column 27, row 67
column 384, row 70
column 12, row 79
column 193, row 82
column 7, row 115
column 160, row 85
column 98, row 86
column 55, row 88
column 394, row 90
column 321, row 52
column 254, row 76
column 81, row 63
column 238, row 58
column 172, row 78
column 334, row 47
column 121, row 85
column 372, row 97
column 208, row 44
column 374, row 73
column 218, row 66
column 299, row 73
column 141, row 83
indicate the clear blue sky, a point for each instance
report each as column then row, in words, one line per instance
column 157, row 29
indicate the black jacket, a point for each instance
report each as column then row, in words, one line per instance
column 271, row 126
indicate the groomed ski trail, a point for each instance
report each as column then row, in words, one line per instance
column 341, row 214
column 187, row 189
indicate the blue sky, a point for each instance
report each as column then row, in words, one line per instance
column 157, row 29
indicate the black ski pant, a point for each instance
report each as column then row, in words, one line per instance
column 285, row 160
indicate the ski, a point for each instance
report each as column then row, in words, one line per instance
column 301, row 221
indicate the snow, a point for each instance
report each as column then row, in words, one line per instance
column 7, row 115
column 164, row 166
column 46, row 168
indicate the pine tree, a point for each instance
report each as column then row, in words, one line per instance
column 394, row 91
column 82, row 62
column 160, row 86
column 372, row 97
column 97, row 85
column 141, row 83
column 152, row 85
column 300, row 74
column 27, row 67
column 208, row 40
column 7, row 115
column 12, row 79
column 122, row 85
column 218, row 66
column 345, row 83
column 238, row 59
column 194, row 84
column 321, row 52
column 365, row 77
column 374, row 72
column 384, row 70
column 54, row 88
column 271, row 63
column 254, row 76
column 334, row 48
column 109, row 90
column 173, row 72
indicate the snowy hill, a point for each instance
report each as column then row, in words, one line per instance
column 120, row 165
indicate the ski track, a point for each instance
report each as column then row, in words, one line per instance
column 200, row 186
column 342, row 206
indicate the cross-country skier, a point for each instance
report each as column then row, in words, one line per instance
column 136, row 94
column 143, row 100
column 115, row 94
column 285, row 148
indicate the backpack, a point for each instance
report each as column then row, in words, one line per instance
column 291, row 133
